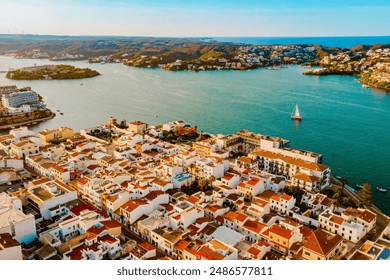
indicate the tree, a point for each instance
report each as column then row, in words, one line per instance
column 203, row 183
column 321, row 182
column 343, row 182
column 365, row 194
column 211, row 179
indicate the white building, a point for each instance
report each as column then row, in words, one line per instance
column 44, row 194
column 14, row 221
column 349, row 230
column 10, row 248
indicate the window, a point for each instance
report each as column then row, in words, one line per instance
column 307, row 253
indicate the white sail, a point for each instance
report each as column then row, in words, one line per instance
column 297, row 111
column 295, row 114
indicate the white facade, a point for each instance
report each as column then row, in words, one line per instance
column 349, row 230
column 14, row 221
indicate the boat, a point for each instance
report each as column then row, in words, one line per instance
column 359, row 186
column 295, row 114
column 365, row 86
column 381, row 189
column 61, row 113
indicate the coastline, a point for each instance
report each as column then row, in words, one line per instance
column 9, row 126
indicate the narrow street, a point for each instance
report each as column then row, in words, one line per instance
column 128, row 233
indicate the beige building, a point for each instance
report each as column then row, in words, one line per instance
column 58, row 134
column 137, row 127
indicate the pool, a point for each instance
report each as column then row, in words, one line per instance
column 182, row 177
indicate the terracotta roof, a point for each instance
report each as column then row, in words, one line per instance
column 192, row 199
column 202, row 220
column 132, row 204
column 290, row 160
column 336, row 219
column 286, row 196
column 227, row 176
column 322, row 243
column 147, row 246
column 245, row 159
column 254, row 251
column 209, row 254
column 367, row 216
column 241, row 217
column 327, row 202
column 107, row 239
column 78, row 208
column 153, row 195
column 305, row 177
column 281, row 231
column 181, row 244
column 59, row 168
column 160, row 182
column 254, row 226
column 95, row 231
column 266, row 195
column 110, row 224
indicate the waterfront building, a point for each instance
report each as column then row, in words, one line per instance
column 348, row 229
column 137, row 127
column 17, row 99
column 305, row 174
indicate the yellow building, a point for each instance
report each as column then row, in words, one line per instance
column 56, row 135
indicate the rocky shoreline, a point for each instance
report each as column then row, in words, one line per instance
column 24, row 119
column 371, row 64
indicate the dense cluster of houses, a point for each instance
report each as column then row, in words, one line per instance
column 136, row 196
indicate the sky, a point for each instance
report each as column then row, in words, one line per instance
column 200, row 18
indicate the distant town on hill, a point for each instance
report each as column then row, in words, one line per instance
column 370, row 63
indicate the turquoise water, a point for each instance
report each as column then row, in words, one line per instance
column 348, row 124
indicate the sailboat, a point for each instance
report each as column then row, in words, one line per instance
column 295, row 114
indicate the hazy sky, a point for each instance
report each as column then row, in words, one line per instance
column 197, row 18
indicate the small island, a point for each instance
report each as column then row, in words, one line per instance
column 51, row 72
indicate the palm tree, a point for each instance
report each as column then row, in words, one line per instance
column 203, row 183
column 321, row 182
column 365, row 194
column 343, row 182
column 211, row 179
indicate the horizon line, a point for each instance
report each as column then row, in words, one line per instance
column 205, row 36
